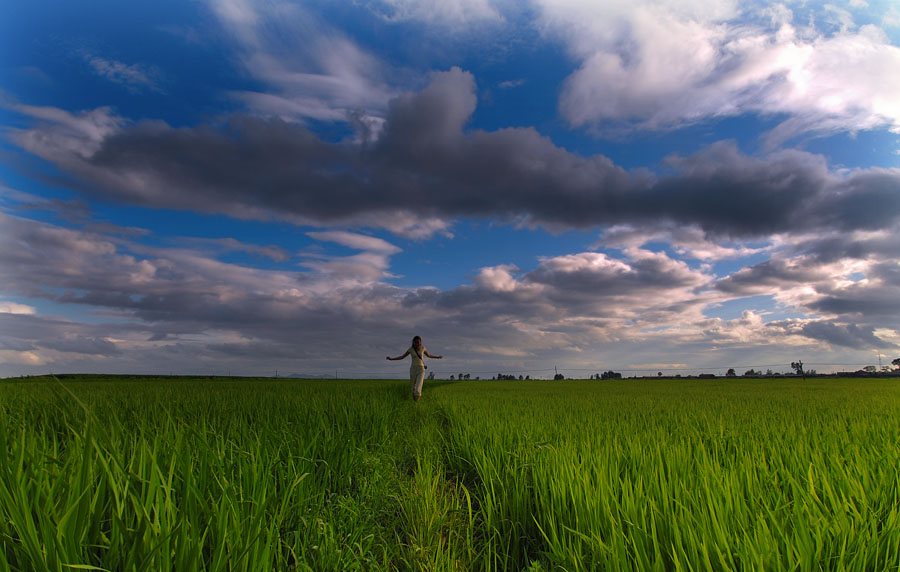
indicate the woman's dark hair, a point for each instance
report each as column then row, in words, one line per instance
column 416, row 338
column 414, row 348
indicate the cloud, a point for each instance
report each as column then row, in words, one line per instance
column 271, row 251
column 178, row 309
column 846, row 335
column 498, row 278
column 832, row 246
column 598, row 276
column 135, row 77
column 662, row 64
column 835, row 281
column 509, row 84
column 891, row 18
column 7, row 307
column 178, row 286
column 411, row 163
column 310, row 69
column 369, row 266
column 356, row 241
column 588, row 292
column 81, row 345
column 11, row 357
column 770, row 275
column 687, row 241
column 454, row 13
column 876, row 303
column 427, row 169
column 40, row 339
column 63, row 137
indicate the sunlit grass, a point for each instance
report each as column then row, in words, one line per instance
column 168, row 474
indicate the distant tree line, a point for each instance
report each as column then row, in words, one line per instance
column 796, row 366
column 607, row 375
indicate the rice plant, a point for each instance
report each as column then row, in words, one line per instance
column 110, row 473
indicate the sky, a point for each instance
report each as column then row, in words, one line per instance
column 245, row 187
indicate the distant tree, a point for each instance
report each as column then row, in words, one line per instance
column 659, row 374
column 896, row 363
column 431, row 375
column 468, row 376
column 797, row 366
column 731, row 372
column 751, row 372
column 451, row 378
column 527, row 378
column 521, row 378
column 610, row 375
column 770, row 373
column 559, row 376
column 477, row 378
column 870, row 369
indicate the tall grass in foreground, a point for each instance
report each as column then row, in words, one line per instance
column 185, row 476
column 709, row 475
column 351, row 475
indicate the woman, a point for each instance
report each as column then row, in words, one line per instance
column 417, row 366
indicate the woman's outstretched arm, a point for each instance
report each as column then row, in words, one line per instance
column 431, row 356
column 401, row 357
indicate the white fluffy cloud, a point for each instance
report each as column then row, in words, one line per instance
column 660, row 64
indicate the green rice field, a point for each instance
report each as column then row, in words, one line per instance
column 184, row 474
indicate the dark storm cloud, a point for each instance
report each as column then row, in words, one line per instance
column 426, row 164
